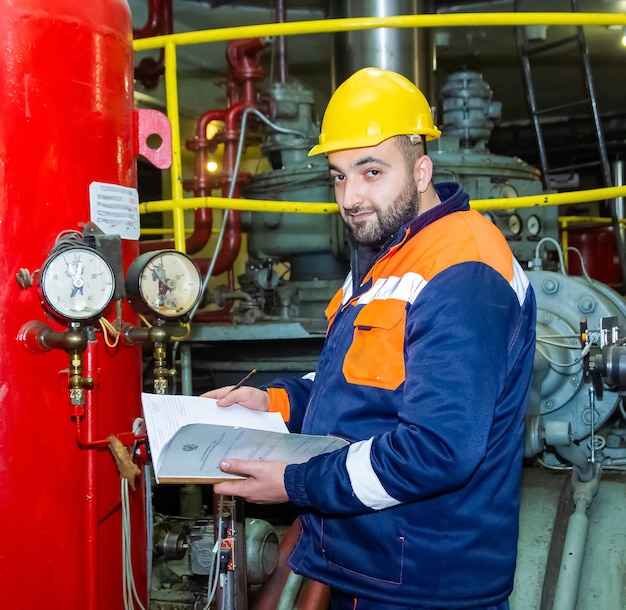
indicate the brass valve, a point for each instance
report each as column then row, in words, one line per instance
column 40, row 337
column 158, row 335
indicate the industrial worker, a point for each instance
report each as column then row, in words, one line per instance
column 425, row 371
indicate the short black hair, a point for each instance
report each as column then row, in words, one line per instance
column 411, row 147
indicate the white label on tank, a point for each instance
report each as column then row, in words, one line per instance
column 115, row 209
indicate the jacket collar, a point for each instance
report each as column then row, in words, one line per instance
column 453, row 199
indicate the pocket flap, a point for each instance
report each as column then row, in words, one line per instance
column 381, row 314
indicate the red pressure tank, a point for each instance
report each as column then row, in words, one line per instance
column 66, row 98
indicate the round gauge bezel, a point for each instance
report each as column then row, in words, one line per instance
column 529, row 222
column 138, row 295
column 515, row 217
column 48, row 285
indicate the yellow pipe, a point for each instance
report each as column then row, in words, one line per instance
column 568, row 220
column 300, row 207
column 544, row 199
column 176, row 171
column 178, row 204
column 254, row 205
column 369, row 23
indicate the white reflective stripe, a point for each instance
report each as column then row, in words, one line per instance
column 310, row 376
column 347, row 289
column 408, row 287
column 365, row 484
column 404, row 288
column 520, row 282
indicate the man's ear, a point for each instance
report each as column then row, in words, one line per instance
column 423, row 173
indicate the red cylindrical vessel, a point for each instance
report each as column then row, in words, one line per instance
column 598, row 247
column 67, row 121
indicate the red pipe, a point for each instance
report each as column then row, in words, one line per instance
column 160, row 21
column 152, row 24
column 243, row 60
column 91, row 479
column 201, row 185
column 315, row 597
column 244, row 70
column 203, row 225
column 272, row 588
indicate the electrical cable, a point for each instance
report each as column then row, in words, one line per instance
column 558, row 250
column 582, row 262
column 544, row 354
column 109, row 329
column 543, row 339
column 128, row 579
column 215, row 566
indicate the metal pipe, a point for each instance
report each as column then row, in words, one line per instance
column 281, row 17
column 185, row 369
column 571, row 564
column 407, row 51
column 618, row 202
column 290, row 592
column 566, row 592
column 321, row 26
column 326, row 207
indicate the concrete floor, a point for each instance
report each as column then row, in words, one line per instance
column 546, row 506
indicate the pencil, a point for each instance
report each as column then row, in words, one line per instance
column 242, row 381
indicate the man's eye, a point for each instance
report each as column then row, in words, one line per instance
column 337, row 178
column 373, row 172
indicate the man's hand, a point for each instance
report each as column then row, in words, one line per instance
column 264, row 485
column 246, row 396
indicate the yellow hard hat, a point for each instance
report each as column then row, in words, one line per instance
column 371, row 106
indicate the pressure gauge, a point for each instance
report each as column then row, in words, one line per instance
column 76, row 284
column 533, row 224
column 166, row 283
column 515, row 224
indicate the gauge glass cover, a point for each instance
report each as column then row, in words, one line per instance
column 170, row 284
column 77, row 283
column 533, row 224
column 515, row 224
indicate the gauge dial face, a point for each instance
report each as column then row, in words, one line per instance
column 76, row 284
column 170, row 284
column 533, row 224
column 515, row 224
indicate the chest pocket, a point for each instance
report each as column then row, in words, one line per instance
column 376, row 356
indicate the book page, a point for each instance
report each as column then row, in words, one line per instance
column 195, row 451
column 165, row 414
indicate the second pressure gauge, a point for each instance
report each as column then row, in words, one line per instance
column 76, row 284
column 166, row 283
column 515, row 224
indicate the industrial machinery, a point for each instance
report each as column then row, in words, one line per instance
column 271, row 320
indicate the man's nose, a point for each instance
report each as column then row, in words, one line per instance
column 352, row 195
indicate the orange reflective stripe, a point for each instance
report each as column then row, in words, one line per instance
column 279, row 402
column 333, row 306
column 475, row 241
column 478, row 241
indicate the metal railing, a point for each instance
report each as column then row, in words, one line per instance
column 178, row 203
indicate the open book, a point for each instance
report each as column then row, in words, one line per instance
column 189, row 435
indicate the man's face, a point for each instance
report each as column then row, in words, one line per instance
column 375, row 192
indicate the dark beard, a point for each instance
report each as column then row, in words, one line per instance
column 403, row 209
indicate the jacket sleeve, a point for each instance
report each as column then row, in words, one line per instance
column 469, row 349
column 290, row 396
